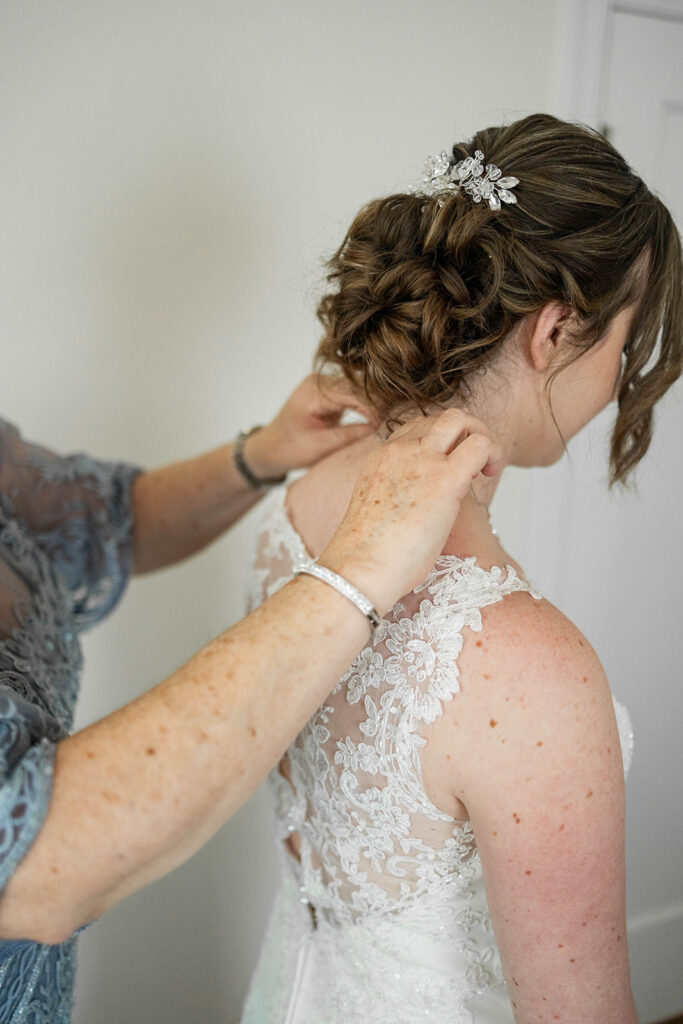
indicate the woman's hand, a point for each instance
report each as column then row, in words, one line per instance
column 307, row 427
column 180, row 508
column 143, row 788
column 405, row 503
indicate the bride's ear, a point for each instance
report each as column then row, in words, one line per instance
column 543, row 334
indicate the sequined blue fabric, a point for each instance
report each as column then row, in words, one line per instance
column 65, row 553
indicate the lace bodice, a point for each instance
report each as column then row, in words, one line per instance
column 65, row 545
column 398, row 929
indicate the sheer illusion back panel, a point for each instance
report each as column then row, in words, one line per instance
column 381, row 910
column 367, row 835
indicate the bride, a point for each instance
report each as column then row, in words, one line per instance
column 451, row 821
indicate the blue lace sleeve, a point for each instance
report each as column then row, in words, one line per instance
column 27, row 743
column 79, row 511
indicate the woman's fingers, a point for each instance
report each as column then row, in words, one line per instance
column 405, row 502
column 336, row 394
column 449, row 430
column 350, row 432
column 476, row 453
column 443, row 431
column 308, row 427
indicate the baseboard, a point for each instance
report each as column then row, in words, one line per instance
column 655, row 941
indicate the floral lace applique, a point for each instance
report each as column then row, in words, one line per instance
column 399, row 930
column 383, row 867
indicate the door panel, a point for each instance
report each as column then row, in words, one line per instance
column 623, row 555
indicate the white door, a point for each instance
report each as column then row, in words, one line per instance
column 620, row 560
column 643, row 108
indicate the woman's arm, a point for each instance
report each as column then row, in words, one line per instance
column 536, row 759
column 180, row 508
column 137, row 793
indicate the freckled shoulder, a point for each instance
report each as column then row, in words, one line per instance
column 530, row 747
column 526, row 644
column 530, row 683
column 317, row 501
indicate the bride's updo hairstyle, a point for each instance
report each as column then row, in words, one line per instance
column 424, row 289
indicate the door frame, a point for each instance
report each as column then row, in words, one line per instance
column 585, row 47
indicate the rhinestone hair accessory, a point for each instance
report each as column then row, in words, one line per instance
column 470, row 175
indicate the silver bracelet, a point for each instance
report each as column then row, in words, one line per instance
column 240, row 463
column 343, row 586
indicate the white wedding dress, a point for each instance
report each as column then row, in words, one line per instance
column 384, row 917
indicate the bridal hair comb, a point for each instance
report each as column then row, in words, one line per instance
column 469, row 175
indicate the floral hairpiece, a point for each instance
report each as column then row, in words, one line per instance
column 470, row 175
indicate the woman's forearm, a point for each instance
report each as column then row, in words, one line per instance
column 138, row 792
column 180, row 508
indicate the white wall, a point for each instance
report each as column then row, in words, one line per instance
column 171, row 176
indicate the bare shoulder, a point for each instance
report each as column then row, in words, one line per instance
column 317, row 501
column 533, row 640
column 531, row 686
column 534, row 700
column 531, row 748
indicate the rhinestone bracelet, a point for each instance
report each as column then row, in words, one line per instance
column 240, row 463
column 342, row 586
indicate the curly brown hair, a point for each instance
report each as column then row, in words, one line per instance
column 425, row 289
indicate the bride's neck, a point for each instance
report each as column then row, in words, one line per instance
column 472, row 524
column 482, row 489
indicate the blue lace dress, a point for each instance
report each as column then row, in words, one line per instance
column 65, row 553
